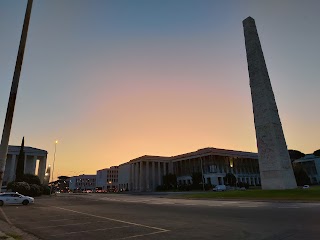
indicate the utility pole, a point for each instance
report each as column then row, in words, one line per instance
column 13, row 93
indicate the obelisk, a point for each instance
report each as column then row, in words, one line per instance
column 274, row 161
column 13, row 93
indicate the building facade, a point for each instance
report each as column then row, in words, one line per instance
column 311, row 164
column 82, row 182
column 33, row 157
column 146, row 173
column 124, row 177
column 107, row 178
column 215, row 164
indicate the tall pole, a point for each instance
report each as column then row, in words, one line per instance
column 13, row 93
column 54, row 159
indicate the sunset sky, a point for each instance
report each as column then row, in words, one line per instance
column 113, row 80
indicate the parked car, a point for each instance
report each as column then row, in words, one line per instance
column 15, row 198
column 220, row 188
column 306, row 186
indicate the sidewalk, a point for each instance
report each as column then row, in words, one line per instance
column 10, row 232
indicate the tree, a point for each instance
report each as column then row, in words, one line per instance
column 317, row 153
column 301, row 175
column 20, row 163
column 63, row 177
column 230, row 179
column 295, row 154
column 170, row 180
column 196, row 178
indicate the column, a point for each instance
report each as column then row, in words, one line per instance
column 153, row 176
column 42, row 167
column 147, row 177
column 136, row 181
column 12, row 168
column 141, row 177
column 159, row 173
column 164, row 168
column 131, row 177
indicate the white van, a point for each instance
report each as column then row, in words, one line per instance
column 219, row 188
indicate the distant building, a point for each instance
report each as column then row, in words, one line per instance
column 146, row 173
column 311, row 164
column 124, row 177
column 33, row 157
column 107, row 178
column 82, row 182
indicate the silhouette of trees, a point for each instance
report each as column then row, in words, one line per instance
column 317, row 153
column 295, row 154
column 20, row 162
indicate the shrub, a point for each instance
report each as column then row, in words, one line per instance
column 30, row 178
column 21, row 187
column 45, row 190
column 35, row 190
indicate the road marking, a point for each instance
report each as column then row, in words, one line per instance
column 290, row 207
column 65, row 219
column 112, row 219
column 5, row 217
column 62, row 225
column 100, row 229
column 141, row 235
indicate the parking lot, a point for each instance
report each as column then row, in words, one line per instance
column 101, row 216
column 59, row 223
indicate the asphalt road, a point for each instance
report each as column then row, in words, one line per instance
column 99, row 216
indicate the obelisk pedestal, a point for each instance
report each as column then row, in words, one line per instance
column 274, row 161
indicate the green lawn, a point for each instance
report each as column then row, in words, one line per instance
column 311, row 194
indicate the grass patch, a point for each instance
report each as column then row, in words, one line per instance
column 311, row 194
column 15, row 236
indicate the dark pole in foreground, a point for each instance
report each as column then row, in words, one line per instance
column 13, row 93
column 274, row 161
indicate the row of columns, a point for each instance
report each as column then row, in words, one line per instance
column 147, row 175
column 30, row 163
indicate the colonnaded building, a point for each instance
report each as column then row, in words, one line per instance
column 146, row 173
column 34, row 159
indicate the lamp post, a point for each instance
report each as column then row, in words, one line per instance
column 54, row 159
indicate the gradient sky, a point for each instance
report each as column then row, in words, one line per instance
column 113, row 80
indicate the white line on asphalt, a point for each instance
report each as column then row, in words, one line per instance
column 100, row 229
column 290, row 207
column 141, row 235
column 111, row 219
column 62, row 225
column 65, row 219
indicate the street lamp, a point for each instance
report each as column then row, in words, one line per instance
column 54, row 159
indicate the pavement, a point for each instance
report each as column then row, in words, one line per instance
column 125, row 216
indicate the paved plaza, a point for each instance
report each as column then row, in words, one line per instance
column 124, row 216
